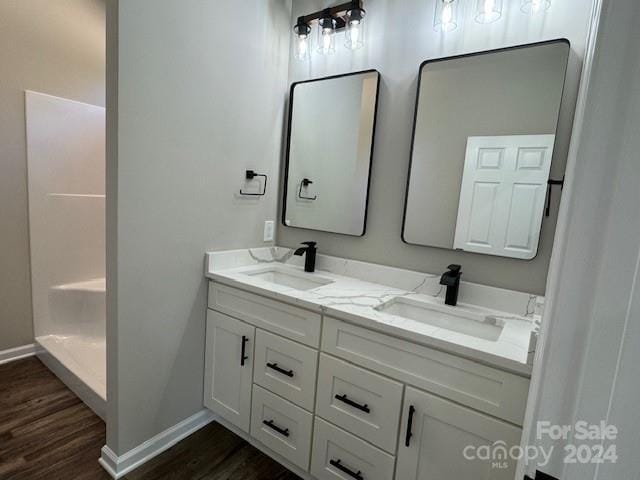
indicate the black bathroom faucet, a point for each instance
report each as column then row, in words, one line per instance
column 451, row 279
column 310, row 257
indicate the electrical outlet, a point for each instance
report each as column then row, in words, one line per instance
column 268, row 230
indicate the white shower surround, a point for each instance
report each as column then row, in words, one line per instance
column 66, row 162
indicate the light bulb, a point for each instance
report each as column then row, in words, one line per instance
column 488, row 6
column 302, row 31
column 446, row 17
column 535, row 6
column 355, row 33
column 354, row 36
column 303, row 47
column 326, row 40
column 488, row 11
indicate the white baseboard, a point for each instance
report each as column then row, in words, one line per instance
column 118, row 466
column 17, row 353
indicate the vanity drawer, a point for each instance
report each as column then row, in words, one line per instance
column 498, row 393
column 359, row 401
column 286, row 368
column 281, row 426
column 338, row 455
column 278, row 317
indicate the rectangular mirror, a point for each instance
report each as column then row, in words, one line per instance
column 331, row 131
column 483, row 141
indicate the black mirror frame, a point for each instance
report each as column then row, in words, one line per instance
column 415, row 121
column 287, row 155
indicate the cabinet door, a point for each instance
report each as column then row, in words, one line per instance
column 443, row 438
column 229, row 368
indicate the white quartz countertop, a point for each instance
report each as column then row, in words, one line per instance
column 355, row 300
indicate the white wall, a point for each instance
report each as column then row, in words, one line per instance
column 200, row 95
column 400, row 36
column 592, row 349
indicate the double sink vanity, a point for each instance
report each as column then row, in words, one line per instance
column 362, row 372
column 345, row 370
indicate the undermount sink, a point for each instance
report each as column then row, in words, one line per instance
column 289, row 277
column 455, row 319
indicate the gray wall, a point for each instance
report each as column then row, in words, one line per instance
column 198, row 101
column 55, row 47
column 399, row 38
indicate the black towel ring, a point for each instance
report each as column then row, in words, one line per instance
column 250, row 175
column 305, row 183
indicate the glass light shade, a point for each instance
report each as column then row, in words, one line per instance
column 488, row 11
column 354, row 35
column 447, row 15
column 535, row 6
column 302, row 41
column 326, row 36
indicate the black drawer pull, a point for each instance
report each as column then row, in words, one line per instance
column 274, row 366
column 243, row 355
column 273, row 426
column 348, row 471
column 407, row 439
column 343, row 398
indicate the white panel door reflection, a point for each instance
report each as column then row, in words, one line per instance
column 503, row 193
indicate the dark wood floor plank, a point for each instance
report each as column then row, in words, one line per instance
column 47, row 433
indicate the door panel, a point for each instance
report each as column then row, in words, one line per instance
column 502, row 194
column 441, row 433
column 227, row 374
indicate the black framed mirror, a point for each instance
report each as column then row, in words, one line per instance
column 483, row 141
column 330, row 138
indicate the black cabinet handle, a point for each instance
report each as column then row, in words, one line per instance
column 243, row 355
column 343, row 398
column 407, row 438
column 274, row 366
column 338, row 464
column 273, row 426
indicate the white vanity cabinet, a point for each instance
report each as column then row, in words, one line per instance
column 334, row 400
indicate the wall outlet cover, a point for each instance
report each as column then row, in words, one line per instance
column 269, row 228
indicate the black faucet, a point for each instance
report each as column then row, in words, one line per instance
column 451, row 279
column 310, row 258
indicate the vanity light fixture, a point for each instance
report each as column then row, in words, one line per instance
column 488, row 11
column 347, row 17
column 446, row 17
column 535, row 6
column 302, row 40
column 355, row 28
column 326, row 34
